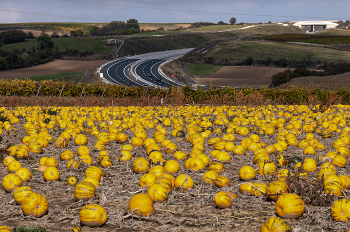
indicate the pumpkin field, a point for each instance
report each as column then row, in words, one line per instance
column 269, row 168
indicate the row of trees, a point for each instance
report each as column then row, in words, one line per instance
column 113, row 28
column 14, row 36
column 232, row 21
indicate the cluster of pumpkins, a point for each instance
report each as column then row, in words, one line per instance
column 201, row 127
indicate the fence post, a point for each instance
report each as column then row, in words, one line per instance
column 146, row 91
column 38, row 90
column 61, row 91
column 167, row 91
column 103, row 92
column 124, row 91
column 82, row 91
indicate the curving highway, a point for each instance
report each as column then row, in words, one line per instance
column 134, row 70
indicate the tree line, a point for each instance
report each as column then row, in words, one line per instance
column 113, row 28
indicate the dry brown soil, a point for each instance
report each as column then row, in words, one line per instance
column 241, row 76
column 57, row 66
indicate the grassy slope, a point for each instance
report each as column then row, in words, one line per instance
column 201, row 69
column 217, row 27
column 75, row 77
column 96, row 45
column 334, row 32
column 240, row 50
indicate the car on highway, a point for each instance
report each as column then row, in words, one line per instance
column 144, row 85
column 149, row 75
column 158, row 79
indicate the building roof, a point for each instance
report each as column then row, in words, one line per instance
column 315, row 23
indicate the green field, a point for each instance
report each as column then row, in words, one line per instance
column 74, row 77
column 217, row 27
column 334, row 32
column 96, row 45
column 201, row 70
column 242, row 49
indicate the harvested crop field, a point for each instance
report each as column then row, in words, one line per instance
column 241, row 76
column 57, row 66
column 327, row 83
column 190, row 209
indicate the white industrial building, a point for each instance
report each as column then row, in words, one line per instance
column 313, row 24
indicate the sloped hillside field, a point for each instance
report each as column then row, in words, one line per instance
column 175, row 168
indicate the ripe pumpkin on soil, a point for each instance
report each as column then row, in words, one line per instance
column 20, row 193
column 275, row 224
column 222, row 200
column 147, row 180
column 51, row 173
column 11, row 181
column 140, row 165
column 72, row 180
column 84, row 190
column 24, row 173
column 209, row 177
column 275, row 189
column 14, row 166
column 290, row 206
column 35, row 205
column 340, row 210
column 247, row 173
column 172, row 166
column 141, row 204
column 258, row 189
column 93, row 215
column 95, row 172
column 184, row 181
column 5, row 229
column 158, row 193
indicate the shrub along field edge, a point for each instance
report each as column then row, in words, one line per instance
column 28, row 92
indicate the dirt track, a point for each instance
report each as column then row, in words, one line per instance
column 241, row 76
column 57, row 66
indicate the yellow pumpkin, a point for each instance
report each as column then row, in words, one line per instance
column 5, row 229
column 140, row 165
column 340, row 210
column 84, row 190
column 223, row 156
column 141, row 204
column 339, row 161
column 184, row 181
column 122, row 138
column 334, row 187
column 345, row 181
column 136, row 141
column 158, row 193
column 172, row 166
column 14, row 166
column 11, row 181
column 196, row 164
column 85, row 159
column 81, row 139
column 222, row 200
column 24, row 173
column 51, row 162
column 217, row 167
column 258, row 189
column 124, row 156
column 147, row 180
column 209, row 177
column 83, row 150
column 94, row 172
column 266, row 168
column 8, row 160
column 76, row 229
column 289, row 206
column 72, row 180
column 105, row 163
column 51, row 173
column 20, row 193
column 325, row 172
column 61, row 142
column 221, row 181
column 275, row 224
column 283, row 173
column 67, row 155
column 92, row 180
column 180, row 155
column 275, row 189
column 247, row 173
column 73, row 164
column 34, row 204
column 157, row 170
column 93, row 215
column 246, row 187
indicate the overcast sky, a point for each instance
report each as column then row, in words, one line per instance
column 182, row 11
